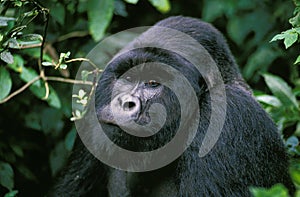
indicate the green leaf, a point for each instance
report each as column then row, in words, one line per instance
column 47, row 64
column 290, row 39
column 6, row 176
column 4, row 21
column 18, row 64
column 33, row 120
column 7, row 57
column 29, row 40
column 70, row 139
column 257, row 62
column 11, row 193
column 269, row 100
column 12, row 43
column 52, row 121
column 120, row 8
column 257, row 24
column 17, row 150
column 29, row 74
column 58, row 158
column 295, row 21
column 57, row 11
column 99, row 16
column 281, row 90
column 63, row 66
column 38, row 88
column 161, row 5
column 53, row 99
column 26, row 172
column 84, row 75
column 297, row 60
column 278, row 37
column 5, row 83
column 277, row 190
column 212, row 10
column 132, row 1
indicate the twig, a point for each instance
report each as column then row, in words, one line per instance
column 83, row 59
column 60, row 79
column 30, row 46
column 20, row 90
column 73, row 35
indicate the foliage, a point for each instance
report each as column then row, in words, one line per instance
column 276, row 191
column 41, row 46
column 283, row 106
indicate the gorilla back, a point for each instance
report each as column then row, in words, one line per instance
column 248, row 152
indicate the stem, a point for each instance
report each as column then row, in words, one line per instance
column 83, row 59
column 20, row 90
column 60, row 79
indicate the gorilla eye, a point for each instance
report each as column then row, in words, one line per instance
column 152, row 84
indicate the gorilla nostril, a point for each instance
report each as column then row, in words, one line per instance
column 129, row 105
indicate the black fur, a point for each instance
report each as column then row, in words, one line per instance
column 248, row 153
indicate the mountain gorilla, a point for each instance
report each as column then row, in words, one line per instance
column 248, row 151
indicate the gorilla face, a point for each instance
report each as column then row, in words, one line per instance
column 131, row 99
column 134, row 111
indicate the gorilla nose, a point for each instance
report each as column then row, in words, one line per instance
column 130, row 104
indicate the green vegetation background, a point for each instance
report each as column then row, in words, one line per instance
column 36, row 131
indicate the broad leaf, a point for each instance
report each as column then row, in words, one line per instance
column 99, row 15
column 38, row 87
column 290, row 39
column 277, row 190
column 269, row 100
column 297, row 60
column 58, row 157
column 4, row 20
column 70, row 139
column 132, row 1
column 161, row 5
column 6, row 176
column 7, row 57
column 281, row 90
column 5, row 83
column 18, row 64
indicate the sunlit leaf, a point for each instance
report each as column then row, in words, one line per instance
column 277, row 190
column 132, row 1
column 297, row 60
column 163, row 6
column 7, row 57
column 269, row 100
column 4, row 21
column 278, row 37
column 290, row 39
column 47, row 64
column 30, row 39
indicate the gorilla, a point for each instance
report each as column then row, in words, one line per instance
column 156, row 101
